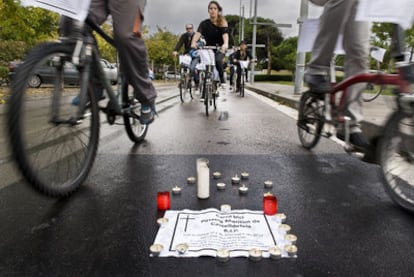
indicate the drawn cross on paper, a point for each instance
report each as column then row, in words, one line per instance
column 186, row 221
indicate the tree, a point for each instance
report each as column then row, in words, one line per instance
column 160, row 46
column 285, row 55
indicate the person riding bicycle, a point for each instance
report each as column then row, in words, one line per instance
column 127, row 17
column 231, row 65
column 185, row 40
column 215, row 32
column 339, row 17
column 243, row 54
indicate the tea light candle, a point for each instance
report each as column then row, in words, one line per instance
column 223, row 255
column 216, row 175
column 292, row 250
column 245, row 175
column 284, row 228
column 176, row 190
column 182, row 248
column 243, row 189
column 255, row 254
column 268, row 184
column 221, row 186
column 235, row 179
column 156, row 249
column 162, row 220
column 290, row 238
column 225, row 208
column 281, row 217
column 275, row 252
column 191, row 180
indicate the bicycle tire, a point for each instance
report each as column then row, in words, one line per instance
column 310, row 120
column 396, row 159
column 242, row 84
column 54, row 154
column 135, row 130
column 185, row 89
column 371, row 96
column 207, row 89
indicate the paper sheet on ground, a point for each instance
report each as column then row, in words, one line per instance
column 208, row 230
column 76, row 9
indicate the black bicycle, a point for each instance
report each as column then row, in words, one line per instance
column 185, row 79
column 210, row 78
column 53, row 141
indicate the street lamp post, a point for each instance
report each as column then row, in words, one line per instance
column 253, row 42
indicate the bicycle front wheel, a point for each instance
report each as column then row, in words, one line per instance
column 396, row 158
column 310, row 120
column 53, row 146
column 185, row 89
column 242, row 84
column 135, row 130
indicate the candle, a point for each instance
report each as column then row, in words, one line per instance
column 268, row 184
column 162, row 220
column 221, row 186
column 182, row 248
column 216, row 175
column 281, row 217
column 235, row 179
column 176, row 190
column 245, row 175
column 284, row 228
column 275, row 252
column 243, row 189
column 269, row 204
column 225, row 208
column 203, row 178
column 292, row 250
column 255, row 254
column 223, row 255
column 163, row 200
column 290, row 238
column 191, row 180
column 156, row 249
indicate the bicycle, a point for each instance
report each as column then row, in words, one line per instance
column 243, row 66
column 395, row 149
column 185, row 79
column 53, row 142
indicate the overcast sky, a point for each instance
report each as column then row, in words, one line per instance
column 174, row 14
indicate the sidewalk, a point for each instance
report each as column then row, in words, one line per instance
column 375, row 112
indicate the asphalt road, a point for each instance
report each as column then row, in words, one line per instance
column 345, row 223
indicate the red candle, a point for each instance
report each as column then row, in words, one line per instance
column 269, row 204
column 163, row 200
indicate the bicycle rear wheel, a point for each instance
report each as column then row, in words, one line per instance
column 371, row 92
column 53, row 147
column 310, row 120
column 185, row 89
column 135, row 130
column 396, row 158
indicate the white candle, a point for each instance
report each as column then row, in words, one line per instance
column 255, row 254
column 275, row 252
column 281, row 217
column 221, row 186
column 292, row 250
column 182, row 248
column 156, row 249
column 284, row 228
column 225, row 208
column 162, row 220
column 176, row 190
column 223, row 255
column 203, row 178
column 291, row 239
column 243, row 189
column 245, row 175
column 191, row 180
column 268, row 184
column 216, row 175
column 235, row 179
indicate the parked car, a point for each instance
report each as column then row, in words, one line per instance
column 171, row 75
column 45, row 74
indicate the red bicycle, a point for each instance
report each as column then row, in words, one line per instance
column 394, row 150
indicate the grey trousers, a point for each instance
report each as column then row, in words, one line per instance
column 338, row 17
column 131, row 47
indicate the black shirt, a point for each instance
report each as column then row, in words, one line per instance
column 243, row 56
column 212, row 33
column 185, row 40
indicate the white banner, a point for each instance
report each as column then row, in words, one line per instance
column 206, row 231
column 76, row 9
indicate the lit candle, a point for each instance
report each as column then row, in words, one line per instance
column 243, row 189
column 290, row 238
column 275, row 252
column 268, row 184
column 156, row 249
column 292, row 250
column 221, row 186
column 176, row 190
column 182, row 248
column 203, row 178
column 162, row 220
column 225, row 208
column 163, row 200
column 223, row 255
column 235, row 179
column 269, row 204
column 244, row 175
column 191, row 180
column 216, row 175
column 255, row 254
column 281, row 217
column 284, row 228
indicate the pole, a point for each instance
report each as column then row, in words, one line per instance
column 240, row 21
column 300, row 57
column 242, row 25
column 253, row 42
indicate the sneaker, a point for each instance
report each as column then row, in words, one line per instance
column 356, row 139
column 76, row 100
column 318, row 83
column 147, row 114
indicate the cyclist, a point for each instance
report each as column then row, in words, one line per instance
column 127, row 16
column 338, row 17
column 185, row 40
column 215, row 32
column 231, row 65
column 243, row 54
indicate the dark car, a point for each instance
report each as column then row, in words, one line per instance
column 46, row 73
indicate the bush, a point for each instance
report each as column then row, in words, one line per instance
column 12, row 50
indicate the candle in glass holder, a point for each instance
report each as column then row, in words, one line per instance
column 223, row 255
column 269, row 204
column 156, row 249
column 163, row 200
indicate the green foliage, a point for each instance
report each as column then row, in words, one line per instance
column 12, row 50
column 107, row 51
column 284, row 56
column 160, row 46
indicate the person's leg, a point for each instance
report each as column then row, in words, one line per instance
column 231, row 76
column 219, row 56
column 238, row 81
column 193, row 74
